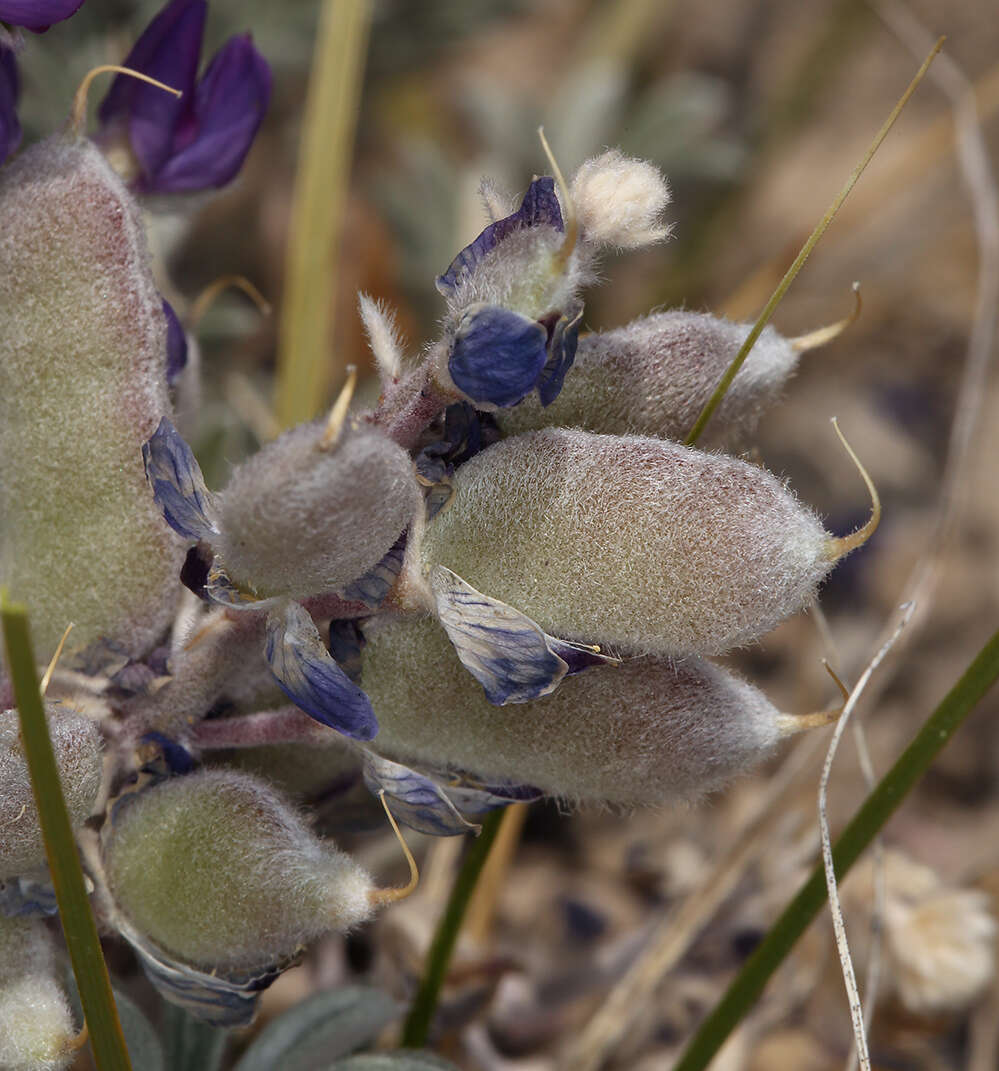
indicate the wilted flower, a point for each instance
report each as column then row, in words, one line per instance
column 200, row 140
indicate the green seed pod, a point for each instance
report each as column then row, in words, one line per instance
column 654, row 377
column 83, row 383
column 631, row 542
column 220, row 873
column 36, row 1024
column 76, row 741
column 646, row 732
column 307, row 515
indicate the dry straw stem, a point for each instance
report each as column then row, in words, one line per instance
column 813, row 239
column 318, row 209
column 857, row 1011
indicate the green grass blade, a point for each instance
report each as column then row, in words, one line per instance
column 106, row 1039
column 318, row 209
column 865, row 826
column 421, row 1013
column 812, row 241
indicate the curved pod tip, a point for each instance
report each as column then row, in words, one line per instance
column 837, row 548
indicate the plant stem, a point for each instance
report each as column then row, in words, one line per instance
column 100, row 1013
column 414, row 1034
column 866, row 824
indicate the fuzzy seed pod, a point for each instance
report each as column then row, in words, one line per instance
column 646, row 732
column 36, row 1025
column 654, row 377
column 631, row 542
column 302, row 517
column 221, row 873
column 76, row 741
column 83, row 384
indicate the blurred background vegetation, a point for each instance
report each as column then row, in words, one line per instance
column 756, row 110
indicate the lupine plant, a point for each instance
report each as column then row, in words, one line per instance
column 504, row 580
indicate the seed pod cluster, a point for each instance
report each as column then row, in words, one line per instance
column 654, row 376
column 634, row 542
column 649, row 732
column 303, row 516
column 76, row 741
column 221, row 873
column 80, row 537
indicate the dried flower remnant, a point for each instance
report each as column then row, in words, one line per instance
column 36, row 1024
column 200, row 140
column 619, row 201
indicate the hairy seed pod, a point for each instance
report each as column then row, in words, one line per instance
column 647, row 732
column 220, row 872
column 632, row 542
column 36, row 1025
column 305, row 516
column 76, row 741
column 654, row 376
column 83, row 383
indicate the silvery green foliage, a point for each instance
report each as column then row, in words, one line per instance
column 76, row 741
column 634, row 542
column 82, row 386
column 221, row 873
column 36, row 1024
column 654, row 376
column 340, row 506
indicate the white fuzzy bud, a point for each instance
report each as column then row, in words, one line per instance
column 654, row 376
column 36, row 1024
column 301, row 518
column 647, row 732
column 619, row 201
column 76, row 741
column 220, row 872
column 630, row 542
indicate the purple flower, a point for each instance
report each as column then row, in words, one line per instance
column 10, row 128
column 37, row 15
column 199, row 141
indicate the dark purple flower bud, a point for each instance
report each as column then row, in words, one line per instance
column 37, row 15
column 10, row 128
column 176, row 344
column 199, row 141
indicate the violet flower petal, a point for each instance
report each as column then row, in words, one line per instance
column 561, row 355
column 37, row 15
column 539, row 208
column 503, row 649
column 10, row 127
column 212, row 139
column 497, row 354
column 178, row 485
column 176, row 344
column 415, row 800
column 168, row 50
column 309, row 677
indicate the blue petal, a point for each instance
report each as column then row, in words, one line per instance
column 415, row 800
column 503, row 649
column 172, row 758
column 539, row 208
column 579, row 656
column 561, row 354
column 497, row 354
column 309, row 677
column 176, row 344
column 476, row 800
column 37, row 15
column 177, row 483
column 10, row 127
column 27, row 897
column 372, row 588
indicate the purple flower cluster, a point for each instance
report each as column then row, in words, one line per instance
column 200, row 140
